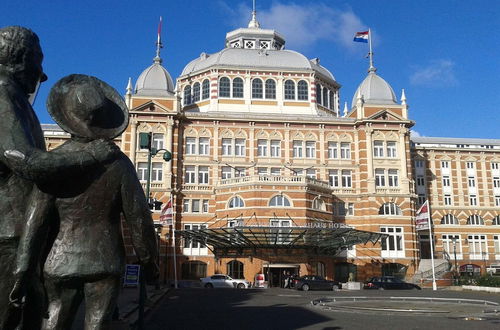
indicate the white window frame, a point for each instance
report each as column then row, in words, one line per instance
column 190, row 146
column 298, row 148
column 204, row 146
column 378, row 149
column 227, row 147
column 142, row 171
column 346, row 178
column 262, row 146
column 275, row 148
column 478, row 247
column 392, row 246
column 333, row 152
column 392, row 149
column 191, row 248
column 157, row 172
column 334, row 178
column 345, row 150
column 310, row 149
column 447, row 240
column 240, row 147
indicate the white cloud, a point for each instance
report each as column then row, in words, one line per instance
column 438, row 73
column 414, row 133
column 302, row 24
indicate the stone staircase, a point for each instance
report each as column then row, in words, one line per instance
column 442, row 269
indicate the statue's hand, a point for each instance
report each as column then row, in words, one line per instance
column 151, row 272
column 102, row 150
column 17, row 296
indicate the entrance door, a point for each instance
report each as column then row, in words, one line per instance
column 275, row 275
column 425, row 246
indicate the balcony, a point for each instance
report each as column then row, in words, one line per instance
column 274, row 179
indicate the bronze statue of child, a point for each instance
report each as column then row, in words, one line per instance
column 86, row 259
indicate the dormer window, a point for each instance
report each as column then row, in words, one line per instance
column 249, row 44
column 264, row 44
column 235, row 44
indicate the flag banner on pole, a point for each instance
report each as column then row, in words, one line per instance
column 159, row 31
column 166, row 215
column 361, row 36
column 422, row 218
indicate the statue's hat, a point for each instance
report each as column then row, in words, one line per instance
column 87, row 107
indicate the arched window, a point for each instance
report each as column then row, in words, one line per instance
column 256, row 89
column 194, row 270
column 389, row 209
column 236, row 202
column 475, row 220
column 302, row 92
column 279, row 200
column 449, row 219
column 270, row 89
column 496, row 221
column 235, row 269
column 289, row 90
column 187, row 95
column 319, row 98
column 205, row 89
column 237, row 87
column 319, row 204
column 332, row 100
column 196, row 92
column 224, row 87
column 325, row 97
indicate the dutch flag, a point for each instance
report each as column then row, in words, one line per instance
column 361, row 36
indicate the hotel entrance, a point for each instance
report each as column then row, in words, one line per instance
column 275, row 274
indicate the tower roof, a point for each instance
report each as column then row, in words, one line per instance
column 155, row 81
column 375, row 90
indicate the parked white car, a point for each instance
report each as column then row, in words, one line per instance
column 223, row 281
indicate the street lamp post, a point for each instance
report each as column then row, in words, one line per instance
column 454, row 241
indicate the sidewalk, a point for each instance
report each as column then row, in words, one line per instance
column 128, row 305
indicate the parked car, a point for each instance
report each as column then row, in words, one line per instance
column 223, row 281
column 315, row 282
column 390, row 283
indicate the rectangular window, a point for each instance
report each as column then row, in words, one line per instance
column 262, row 148
column 157, row 141
column 379, row 178
column 204, row 146
column 204, row 207
column 478, row 247
column 190, row 146
column 185, row 205
column 445, row 164
column 420, row 180
column 346, row 179
column 447, row 200
column 190, row 176
column 393, row 245
column 470, row 165
column 297, row 149
column 262, row 170
column 496, row 182
column 239, row 171
column 494, row 166
column 226, row 172
column 419, row 163
column 350, row 209
column 310, row 149
column 471, row 181
column 497, row 200
column 446, row 181
column 333, row 178
column 275, row 148
column 195, row 206
column 421, row 199
column 203, row 175
column 311, row 173
column 473, row 200
column 378, row 149
column 227, row 145
column 142, row 171
column 391, row 149
column 275, row 171
column 239, row 147
column 345, row 150
column 393, row 178
column 452, row 245
column 157, row 172
column 332, row 150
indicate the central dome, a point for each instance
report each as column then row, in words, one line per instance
column 155, row 81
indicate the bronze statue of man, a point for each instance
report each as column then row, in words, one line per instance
column 21, row 137
column 87, row 257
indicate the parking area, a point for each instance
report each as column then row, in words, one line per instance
column 292, row 309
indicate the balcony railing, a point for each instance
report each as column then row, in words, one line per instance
column 273, row 179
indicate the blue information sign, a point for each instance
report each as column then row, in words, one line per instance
column 131, row 275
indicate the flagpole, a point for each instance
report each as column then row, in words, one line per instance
column 173, row 241
column 431, row 240
column 372, row 68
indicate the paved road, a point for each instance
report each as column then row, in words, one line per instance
column 288, row 309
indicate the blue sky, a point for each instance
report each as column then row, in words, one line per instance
column 445, row 54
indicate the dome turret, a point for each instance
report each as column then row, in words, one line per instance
column 375, row 90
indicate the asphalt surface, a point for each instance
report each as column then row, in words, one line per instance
column 289, row 309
